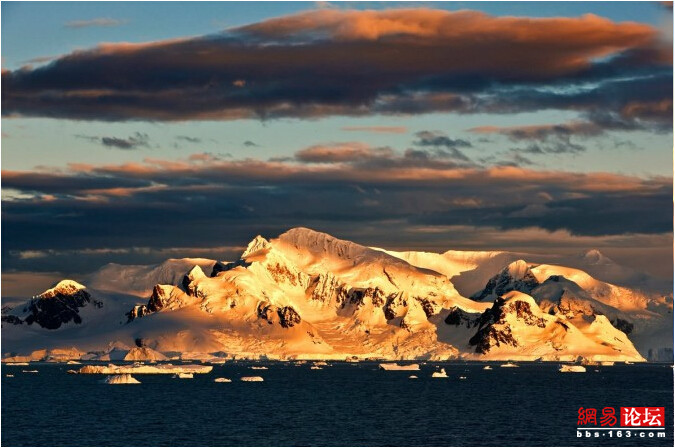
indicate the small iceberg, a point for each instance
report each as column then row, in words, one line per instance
column 487, row 367
column 397, row 367
column 320, row 364
column 16, row 363
column 572, row 369
column 9, row 375
column 120, row 379
column 258, row 367
column 462, row 377
column 509, row 365
column 316, row 367
column 440, row 374
column 412, row 377
column 73, row 362
column 607, row 363
column 221, row 380
column 252, row 379
column 184, row 375
column 628, row 362
column 71, row 371
column 29, row 370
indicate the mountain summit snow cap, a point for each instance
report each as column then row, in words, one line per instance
column 257, row 244
column 517, row 269
column 64, row 287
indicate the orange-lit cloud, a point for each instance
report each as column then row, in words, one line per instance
column 346, row 62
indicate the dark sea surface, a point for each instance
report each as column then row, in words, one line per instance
column 340, row 405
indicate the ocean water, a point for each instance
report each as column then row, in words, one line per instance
column 344, row 404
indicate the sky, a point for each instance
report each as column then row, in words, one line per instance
column 133, row 132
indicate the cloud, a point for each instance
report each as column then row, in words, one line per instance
column 341, row 152
column 135, row 141
column 541, row 132
column 97, row 22
column 442, row 145
column 249, row 143
column 436, row 139
column 375, row 129
column 548, row 138
column 188, row 139
column 375, row 195
column 361, row 63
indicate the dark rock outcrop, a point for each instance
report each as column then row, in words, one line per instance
column 490, row 335
column 55, row 307
column 286, row 316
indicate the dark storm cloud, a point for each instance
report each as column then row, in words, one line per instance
column 342, row 62
column 207, row 201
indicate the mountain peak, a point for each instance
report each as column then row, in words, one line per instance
column 515, row 276
column 257, row 244
column 517, row 269
column 63, row 287
column 323, row 244
column 594, row 256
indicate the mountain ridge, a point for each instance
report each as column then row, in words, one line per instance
column 307, row 294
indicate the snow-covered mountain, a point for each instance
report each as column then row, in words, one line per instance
column 307, row 294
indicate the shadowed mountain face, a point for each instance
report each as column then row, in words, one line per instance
column 308, row 294
column 55, row 307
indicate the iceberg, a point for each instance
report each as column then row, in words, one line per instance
column 145, row 369
column 183, row 376
column 397, row 367
column 252, row 379
column 222, row 380
column 509, row 365
column 120, row 379
column 440, row 374
column 572, row 368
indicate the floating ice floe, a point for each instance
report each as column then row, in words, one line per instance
column 315, row 367
column 16, row 363
column 397, row 367
column 462, row 377
column 222, row 380
column 166, row 368
column 258, row 367
column 440, row 374
column 607, row 363
column 509, row 365
column 412, row 377
column 183, row 376
column 120, row 379
column 9, row 375
column 29, row 370
column 487, row 367
column 252, row 379
column 572, row 369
